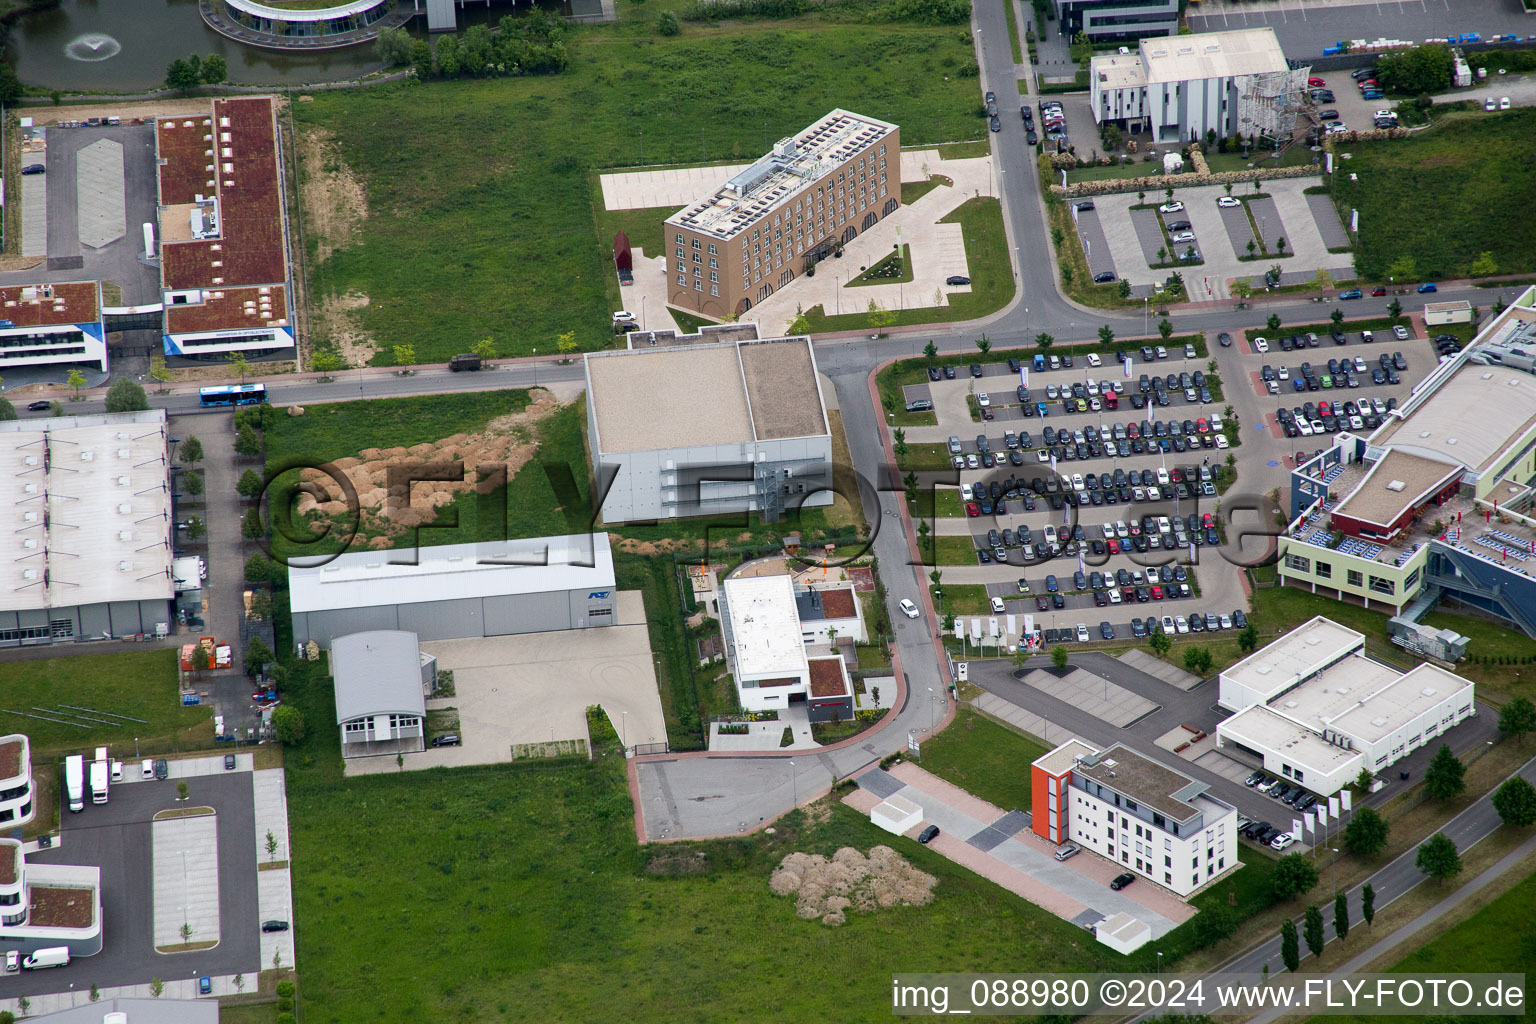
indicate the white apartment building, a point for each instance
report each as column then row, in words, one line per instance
column 1149, row 819
column 16, row 793
column 1181, row 87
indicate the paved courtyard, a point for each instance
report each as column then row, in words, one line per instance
column 186, row 857
column 536, row 687
column 937, row 250
column 1000, row 846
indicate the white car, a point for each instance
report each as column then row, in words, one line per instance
column 1260, row 345
column 148, row 768
column 967, row 492
column 1283, row 373
column 984, row 400
column 1094, row 405
column 1221, row 439
column 1400, row 332
column 13, row 958
column 1082, row 633
column 1182, row 236
column 1173, row 207
column 1181, row 624
column 1488, row 103
column 1094, row 360
column 1281, row 841
column 1337, row 128
column 1303, row 427
column 998, row 607
column 1228, row 201
column 1273, row 387
column 1385, row 113
column 1114, row 595
column 907, row 608
column 1504, row 103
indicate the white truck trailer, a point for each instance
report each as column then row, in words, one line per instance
column 74, row 781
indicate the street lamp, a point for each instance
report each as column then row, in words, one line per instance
column 930, row 709
column 1333, row 871
column 794, row 786
column 1159, row 961
column 624, row 726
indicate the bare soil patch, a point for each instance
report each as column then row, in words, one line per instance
column 390, row 510
column 336, row 321
column 828, row 888
column 335, row 201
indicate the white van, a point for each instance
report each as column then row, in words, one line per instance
column 53, row 956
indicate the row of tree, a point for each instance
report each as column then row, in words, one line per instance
column 533, row 44
column 187, row 73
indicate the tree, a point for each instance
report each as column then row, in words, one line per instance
column 1162, row 254
column 1124, row 288
column 11, row 87
column 1273, row 323
column 931, row 351
column 1160, row 643
column 899, row 441
column 1248, row 638
column 251, row 526
column 879, row 317
column 271, row 845
column 1422, row 69
column 1395, row 310
column 1518, row 718
column 1341, row 915
column 1165, row 328
column 1445, row 776
column 1363, row 780
column 1312, row 930
column 156, row 986
column 195, row 528
column 1198, row 660
column 191, row 450
column 446, row 53
column 215, row 69
column 260, row 569
column 1368, row 904
column 1059, row 657
column 1290, row 945
column 1322, row 280
column 405, row 356
column 325, row 362
column 668, row 24
column 1242, row 290
column 1169, row 193
column 1516, row 802
column 95, row 993
column 1252, row 245
column 1214, row 924
column 288, row 723
column 1337, row 316
column 7, row 410
column 1258, row 186
column 126, row 395
column 158, row 371
column 1106, row 336
column 1402, row 269
column 240, row 365
column 1367, row 832
column 257, row 656
column 247, row 442
column 1044, row 341
column 76, row 380
column 1484, row 265
column 485, row 348
column 393, row 46
column 1293, row 875
column 182, row 76
column 250, row 485
column 1438, row 858
column 192, row 483
column 421, row 58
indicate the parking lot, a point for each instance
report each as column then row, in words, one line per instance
column 1073, row 545
column 140, row 871
column 1217, row 235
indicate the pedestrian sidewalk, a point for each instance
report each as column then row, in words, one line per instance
column 274, row 886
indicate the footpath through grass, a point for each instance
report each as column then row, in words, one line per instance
column 1472, row 172
column 518, row 886
column 480, row 192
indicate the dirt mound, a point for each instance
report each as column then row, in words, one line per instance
column 388, row 508
column 827, row 888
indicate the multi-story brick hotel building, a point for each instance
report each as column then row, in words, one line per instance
column 770, row 223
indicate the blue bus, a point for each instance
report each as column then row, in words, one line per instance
column 233, row 394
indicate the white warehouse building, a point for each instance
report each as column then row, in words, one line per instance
column 1181, row 87
column 708, row 429
column 1315, row 710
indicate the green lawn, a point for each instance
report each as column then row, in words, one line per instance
column 480, row 193
column 984, row 758
column 642, row 227
column 547, row 496
column 950, row 551
column 689, row 322
column 912, row 191
column 925, row 457
column 1013, row 32
column 137, row 683
column 1489, row 639
column 1477, row 169
column 936, row 501
column 523, row 886
column 893, row 269
column 986, row 253
column 962, row 599
column 1499, row 938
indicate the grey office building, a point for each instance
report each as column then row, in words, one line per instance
column 1117, row 19
column 708, row 429
column 454, row 591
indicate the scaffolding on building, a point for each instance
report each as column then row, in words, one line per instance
column 1272, row 108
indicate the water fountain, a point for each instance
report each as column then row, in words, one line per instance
column 92, row 47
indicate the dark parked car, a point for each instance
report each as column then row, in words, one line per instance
column 1104, row 277
column 34, row 169
column 1031, row 137
column 1224, row 339
column 39, row 406
column 274, row 926
column 995, row 124
column 447, row 739
column 1121, row 881
column 229, row 762
column 162, row 769
column 957, row 279
column 927, row 835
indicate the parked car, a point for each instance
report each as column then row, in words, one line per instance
column 229, row 762
column 1104, row 277
column 1228, row 201
column 274, row 926
column 39, row 406
column 908, row 608
column 957, row 279
column 34, row 169
column 1352, row 293
column 1067, row 851
column 1428, row 288
column 162, row 768
column 928, row 834
column 1173, row 207
column 447, row 739
column 1122, row 880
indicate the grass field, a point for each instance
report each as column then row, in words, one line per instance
column 893, row 269
column 1476, row 169
column 517, row 887
column 480, row 197
column 1501, row 937
column 983, row 758
column 962, row 599
column 986, row 253
column 138, row 683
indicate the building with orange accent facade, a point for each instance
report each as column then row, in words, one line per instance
column 797, row 205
